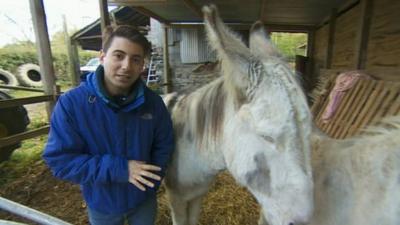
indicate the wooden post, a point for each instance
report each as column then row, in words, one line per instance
column 362, row 34
column 310, row 55
column 44, row 50
column 75, row 61
column 104, row 16
column 67, row 40
column 167, row 82
column 331, row 39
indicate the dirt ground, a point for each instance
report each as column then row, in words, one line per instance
column 226, row 203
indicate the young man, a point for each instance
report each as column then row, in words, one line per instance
column 112, row 135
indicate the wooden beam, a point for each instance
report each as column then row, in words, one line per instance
column 344, row 8
column 21, row 88
column 90, row 37
column 67, row 41
column 13, row 139
column 44, row 50
column 246, row 26
column 75, row 61
column 24, row 101
column 151, row 14
column 263, row 9
column 331, row 39
column 135, row 2
column 104, row 16
column 192, row 6
column 310, row 42
column 361, row 50
column 166, row 74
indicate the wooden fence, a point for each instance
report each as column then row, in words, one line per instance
column 364, row 104
column 12, row 139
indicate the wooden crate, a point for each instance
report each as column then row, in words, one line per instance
column 364, row 104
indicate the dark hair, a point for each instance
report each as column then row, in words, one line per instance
column 128, row 32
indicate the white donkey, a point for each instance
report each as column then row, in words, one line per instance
column 253, row 121
column 357, row 180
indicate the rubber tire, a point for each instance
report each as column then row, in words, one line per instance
column 29, row 75
column 13, row 120
column 8, row 78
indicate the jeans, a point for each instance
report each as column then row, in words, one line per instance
column 144, row 214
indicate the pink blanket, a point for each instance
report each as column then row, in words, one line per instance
column 344, row 82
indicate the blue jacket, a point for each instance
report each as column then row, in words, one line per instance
column 90, row 143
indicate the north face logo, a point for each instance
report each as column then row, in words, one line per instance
column 147, row 116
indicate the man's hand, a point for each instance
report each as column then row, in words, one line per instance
column 139, row 171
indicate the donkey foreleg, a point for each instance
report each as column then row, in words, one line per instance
column 179, row 209
column 261, row 220
column 185, row 212
column 194, row 209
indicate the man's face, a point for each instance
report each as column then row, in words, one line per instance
column 123, row 63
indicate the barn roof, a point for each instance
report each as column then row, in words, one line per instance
column 278, row 14
column 89, row 37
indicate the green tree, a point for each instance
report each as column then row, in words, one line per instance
column 290, row 44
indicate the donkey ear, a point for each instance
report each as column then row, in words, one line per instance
column 260, row 44
column 234, row 55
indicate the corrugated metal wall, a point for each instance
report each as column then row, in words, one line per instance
column 194, row 48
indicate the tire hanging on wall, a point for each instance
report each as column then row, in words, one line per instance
column 13, row 120
column 29, row 75
column 7, row 78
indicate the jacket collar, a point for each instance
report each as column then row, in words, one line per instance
column 132, row 101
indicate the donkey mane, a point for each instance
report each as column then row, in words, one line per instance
column 203, row 112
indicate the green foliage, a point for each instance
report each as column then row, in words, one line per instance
column 10, row 60
column 25, row 157
column 14, row 55
column 290, row 43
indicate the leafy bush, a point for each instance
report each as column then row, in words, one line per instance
column 10, row 60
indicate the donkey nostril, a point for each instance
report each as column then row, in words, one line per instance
column 291, row 223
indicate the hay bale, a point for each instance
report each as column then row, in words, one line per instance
column 226, row 204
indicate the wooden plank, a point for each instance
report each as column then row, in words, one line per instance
column 376, row 103
column 263, row 9
column 340, row 110
column 360, row 102
column 310, row 45
column 44, row 50
column 320, row 123
column 364, row 114
column 392, row 91
column 166, row 68
column 356, row 96
column 384, row 38
column 21, row 88
column 151, row 14
column 135, row 2
column 347, row 107
column 394, row 108
column 362, row 34
column 67, row 41
column 331, row 39
column 23, row 136
column 24, row 101
column 316, row 108
column 104, row 16
column 192, row 6
column 75, row 61
column 343, row 49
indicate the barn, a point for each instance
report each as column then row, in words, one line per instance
column 343, row 36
